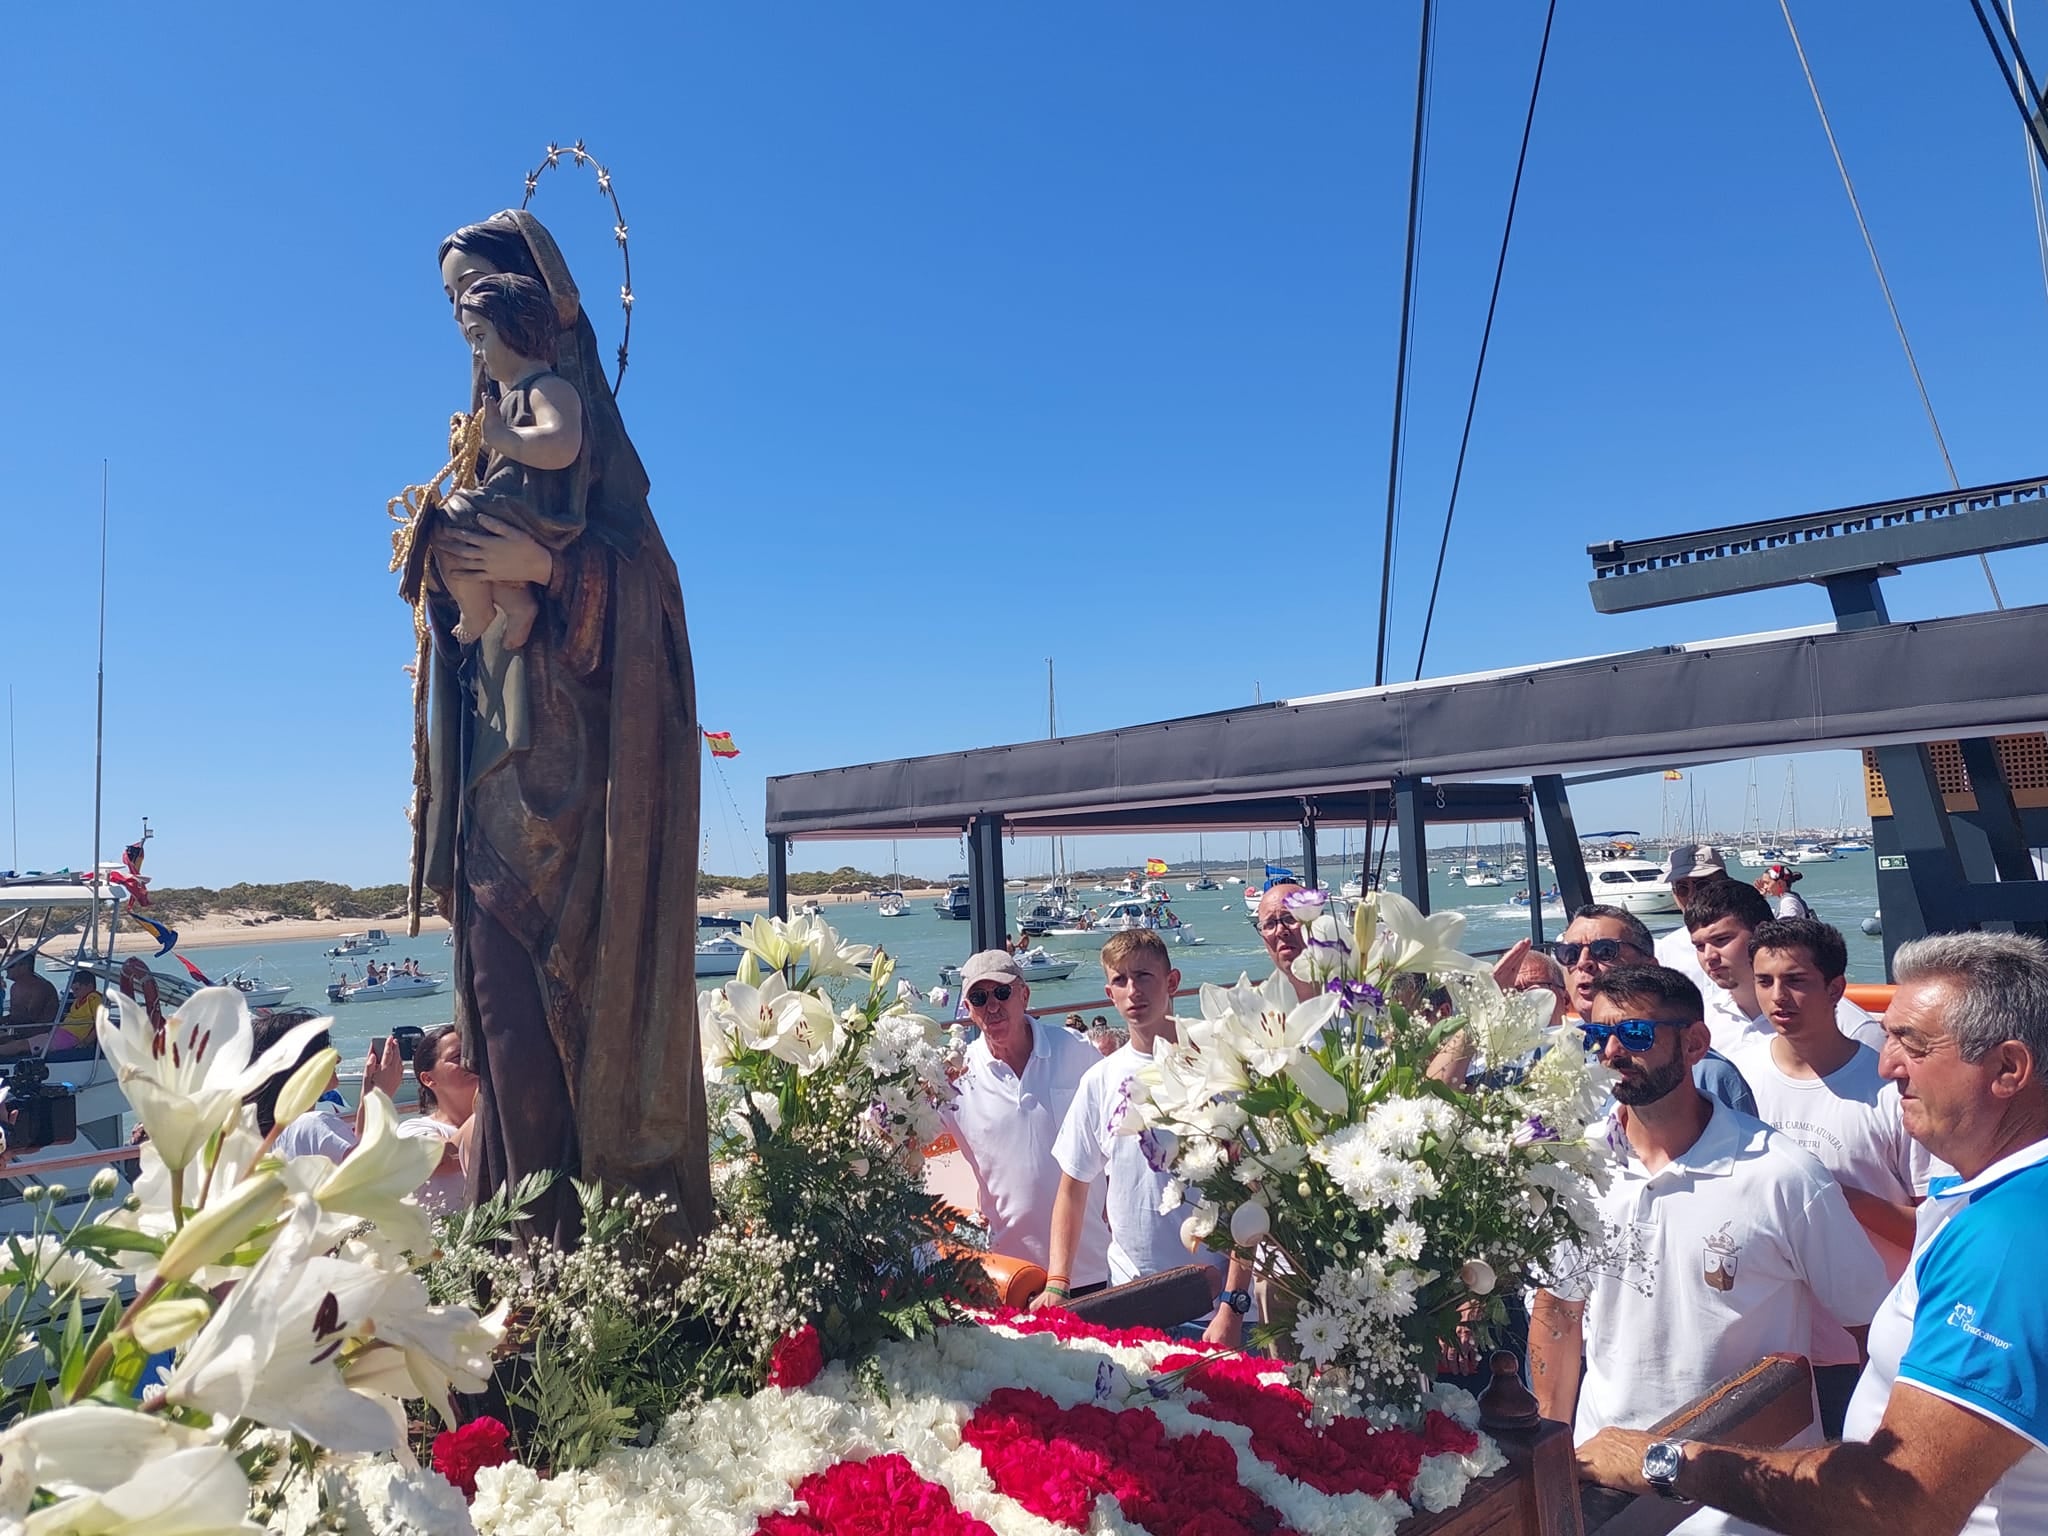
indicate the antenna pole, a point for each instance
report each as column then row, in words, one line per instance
column 99, row 729
column 13, row 808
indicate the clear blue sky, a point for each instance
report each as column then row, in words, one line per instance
column 967, row 335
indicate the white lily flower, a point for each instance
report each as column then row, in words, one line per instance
column 199, row 1491
column 445, row 1349
column 272, row 1351
column 1187, row 1087
column 1272, row 1036
column 80, row 1450
column 817, row 944
column 377, row 1180
column 187, row 1078
column 807, row 1034
column 1408, row 941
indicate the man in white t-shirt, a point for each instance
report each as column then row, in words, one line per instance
column 1824, row 1090
column 1720, row 920
column 1726, row 1238
column 1689, row 869
column 1948, row 1428
column 1016, row 1084
column 1143, row 1239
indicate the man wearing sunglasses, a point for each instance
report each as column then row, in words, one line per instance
column 1728, row 1239
column 1013, row 1092
column 1602, row 939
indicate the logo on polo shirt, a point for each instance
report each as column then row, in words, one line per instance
column 1719, row 1258
column 1964, row 1317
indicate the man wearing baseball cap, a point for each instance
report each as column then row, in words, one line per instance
column 1690, row 866
column 31, row 999
column 1776, row 886
column 1011, row 1097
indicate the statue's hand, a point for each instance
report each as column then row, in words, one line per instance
column 496, row 551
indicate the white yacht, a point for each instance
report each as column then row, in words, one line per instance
column 719, row 956
column 1037, row 964
column 1812, row 853
column 1635, row 885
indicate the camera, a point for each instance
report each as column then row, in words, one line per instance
column 39, row 1113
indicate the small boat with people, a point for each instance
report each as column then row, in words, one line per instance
column 359, row 943
column 260, row 987
column 383, row 983
column 1122, row 916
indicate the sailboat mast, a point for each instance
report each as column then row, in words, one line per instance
column 99, row 729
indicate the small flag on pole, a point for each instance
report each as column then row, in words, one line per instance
column 720, row 743
column 1155, row 866
column 1673, row 773
column 197, row 974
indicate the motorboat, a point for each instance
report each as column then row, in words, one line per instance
column 711, row 924
column 1053, row 906
column 1154, row 890
column 1812, row 853
column 1122, row 916
column 259, row 988
column 1853, row 845
column 1634, row 885
column 958, row 902
column 359, row 943
column 1518, row 870
column 811, row 909
column 1036, row 963
column 1203, row 884
column 1760, row 858
column 719, row 955
column 393, row 985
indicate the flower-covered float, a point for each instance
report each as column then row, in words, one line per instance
column 287, row 1345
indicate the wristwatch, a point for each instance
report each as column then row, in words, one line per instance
column 1661, row 1461
column 1239, row 1302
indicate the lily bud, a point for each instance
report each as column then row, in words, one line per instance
column 1249, row 1223
column 221, row 1228
column 1478, row 1277
column 103, row 1184
column 303, row 1088
column 169, row 1321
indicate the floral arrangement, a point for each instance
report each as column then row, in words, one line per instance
column 1383, row 1207
column 1026, row 1425
column 280, row 1290
column 820, row 1110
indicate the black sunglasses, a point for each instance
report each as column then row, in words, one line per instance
column 1600, row 951
column 1634, row 1034
column 979, row 997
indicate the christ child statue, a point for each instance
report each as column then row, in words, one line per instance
column 533, row 445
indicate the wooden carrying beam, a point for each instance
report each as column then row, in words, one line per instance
column 1164, row 1300
column 1769, row 1404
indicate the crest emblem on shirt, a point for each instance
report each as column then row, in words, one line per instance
column 1718, row 1258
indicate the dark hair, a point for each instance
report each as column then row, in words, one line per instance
column 1638, row 935
column 268, row 1032
column 1656, row 984
column 1726, row 898
column 1823, row 944
column 426, row 1057
column 499, row 244
column 518, row 309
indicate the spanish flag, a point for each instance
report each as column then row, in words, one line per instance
column 1673, row 773
column 1155, row 866
column 720, row 743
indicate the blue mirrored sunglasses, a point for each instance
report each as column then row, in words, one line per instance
column 1634, row 1034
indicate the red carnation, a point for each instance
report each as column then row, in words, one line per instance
column 797, row 1359
column 459, row 1454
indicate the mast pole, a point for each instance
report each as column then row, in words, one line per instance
column 99, row 730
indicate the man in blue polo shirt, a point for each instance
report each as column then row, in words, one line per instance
column 1948, row 1431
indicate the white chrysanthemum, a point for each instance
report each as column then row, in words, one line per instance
column 1200, row 1159
column 1397, row 1126
column 1318, row 1334
column 1403, row 1239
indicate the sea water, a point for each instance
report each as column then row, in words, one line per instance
column 1842, row 893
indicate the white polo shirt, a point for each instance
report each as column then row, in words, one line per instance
column 1141, row 1240
column 1716, row 1260
column 1968, row 1322
column 1006, row 1125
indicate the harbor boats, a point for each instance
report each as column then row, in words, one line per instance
column 348, row 987
column 259, row 986
column 958, row 902
column 1120, row 916
column 1052, row 907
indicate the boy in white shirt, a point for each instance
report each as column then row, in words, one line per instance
column 1823, row 1090
column 1721, row 919
column 1141, row 982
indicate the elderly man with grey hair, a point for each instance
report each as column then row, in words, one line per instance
column 1948, row 1426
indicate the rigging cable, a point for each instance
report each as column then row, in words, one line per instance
column 1485, row 338
column 2029, row 114
column 1884, row 283
column 2033, row 163
column 1379, row 666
